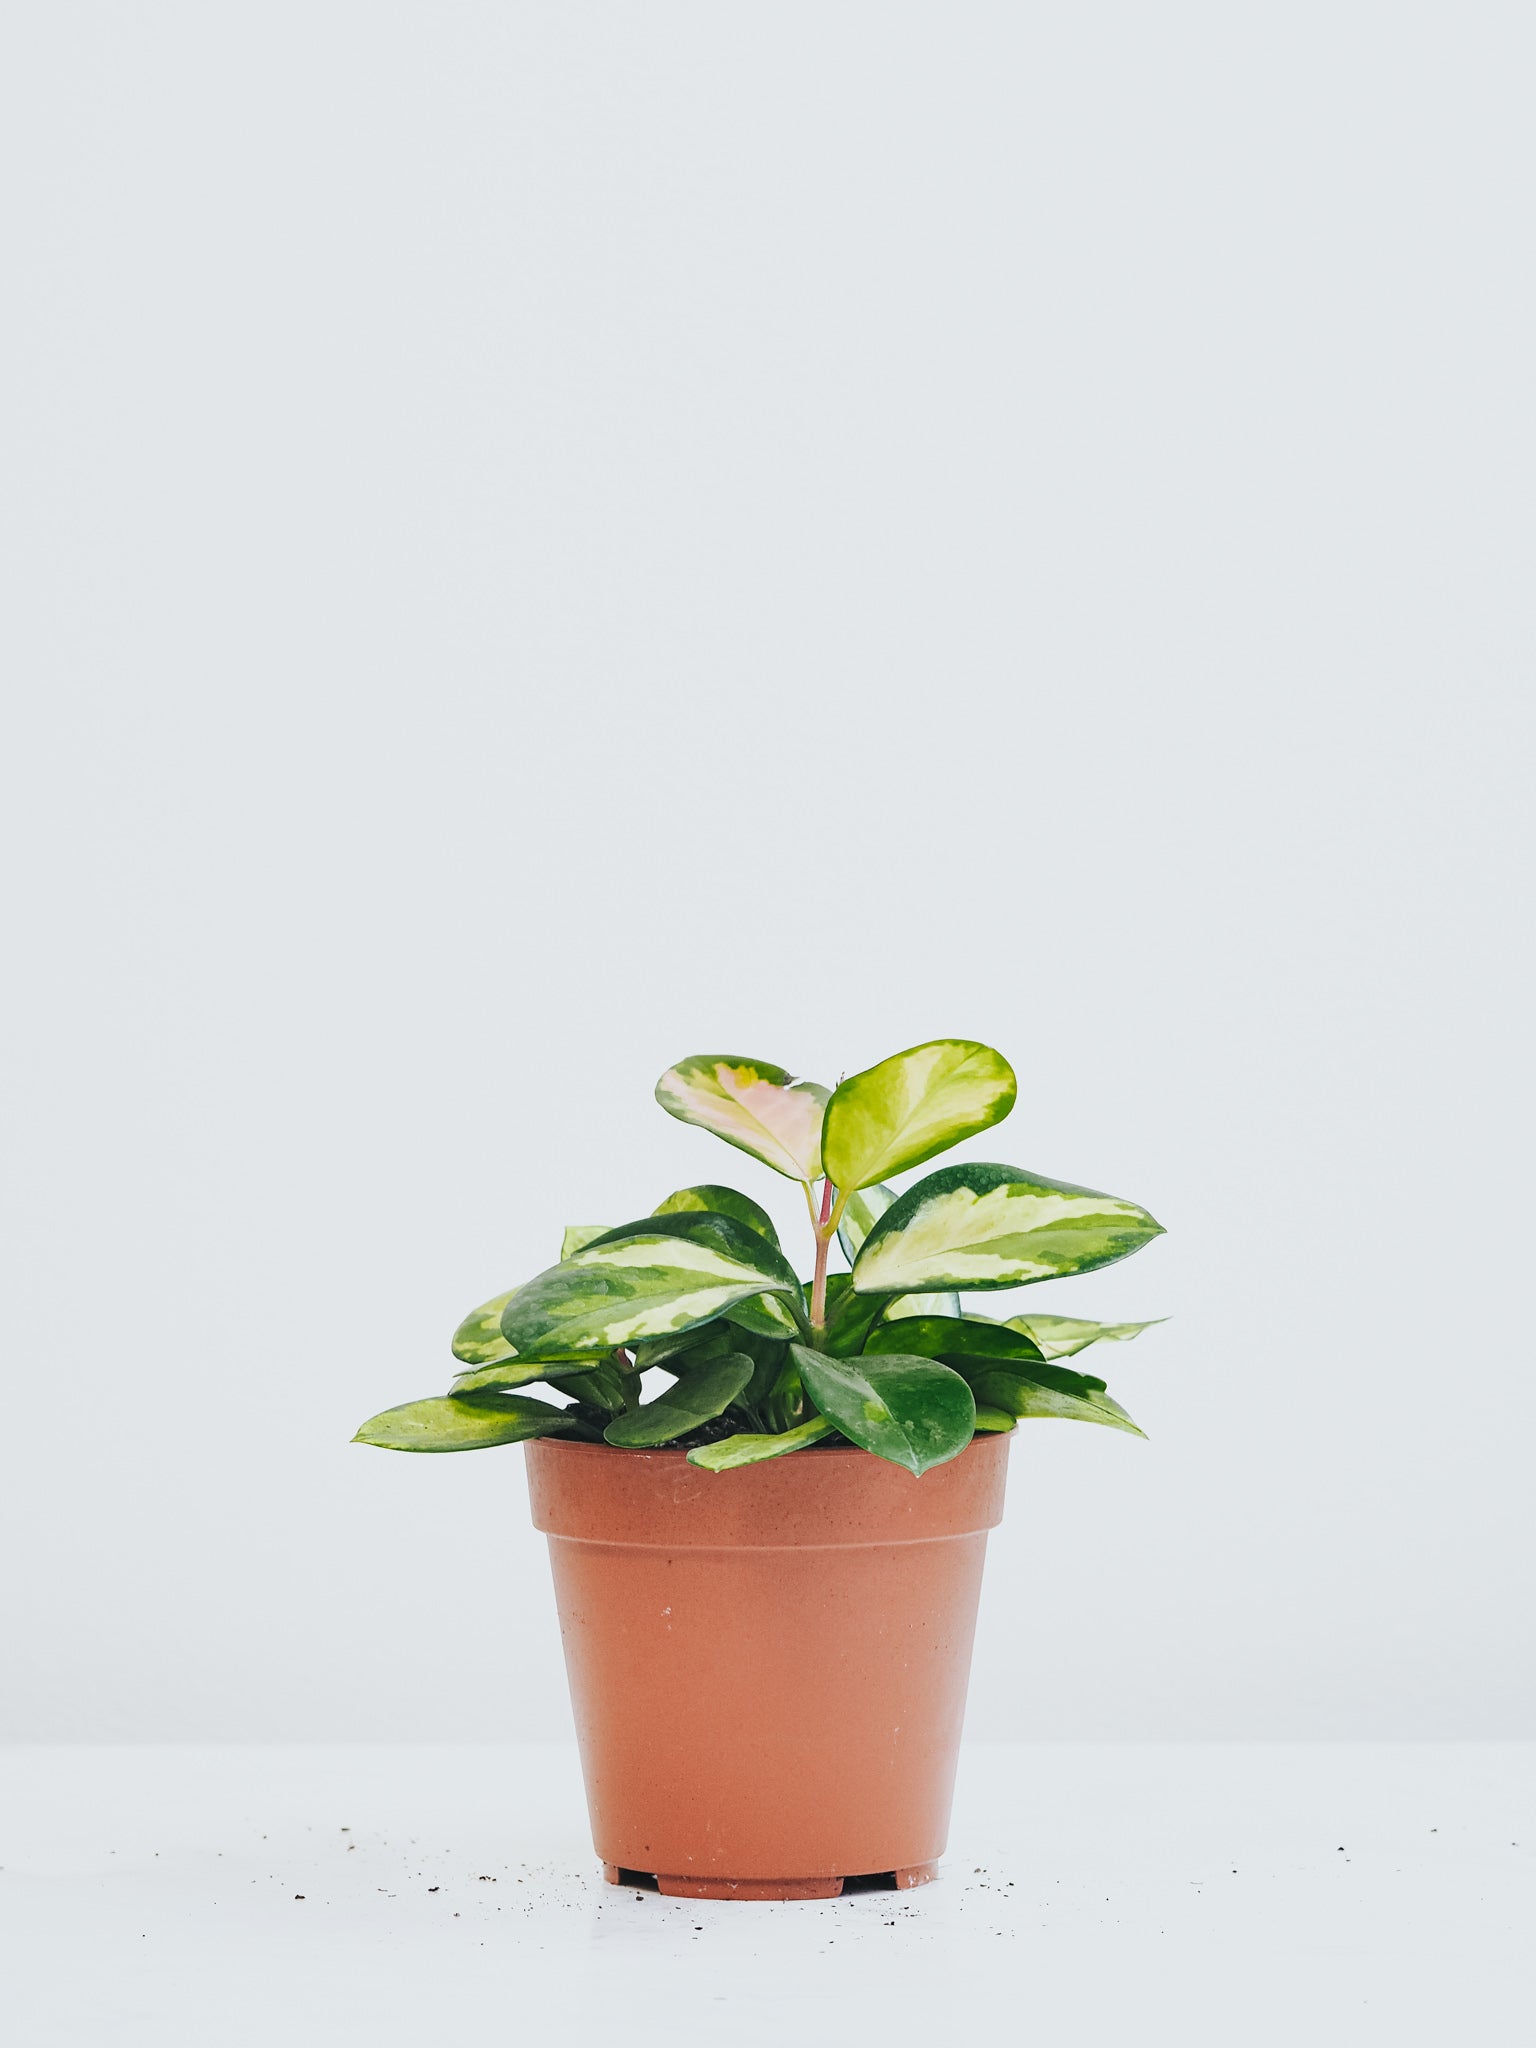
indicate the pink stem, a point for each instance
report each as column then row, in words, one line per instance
column 823, row 1246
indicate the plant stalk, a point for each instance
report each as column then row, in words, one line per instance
column 824, row 1228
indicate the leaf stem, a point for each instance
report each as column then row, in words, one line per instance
column 629, row 1380
column 824, row 1229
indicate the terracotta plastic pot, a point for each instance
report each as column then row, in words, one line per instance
column 768, row 1666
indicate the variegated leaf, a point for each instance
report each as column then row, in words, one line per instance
column 696, row 1397
column 911, row 1106
column 1062, row 1336
column 645, row 1279
column 1028, row 1398
column 911, row 1411
column 753, row 1449
column 985, row 1226
column 712, row 1199
column 578, row 1234
column 753, row 1105
column 478, row 1339
column 861, row 1212
column 444, row 1424
column 906, row 1306
column 509, row 1373
column 765, row 1315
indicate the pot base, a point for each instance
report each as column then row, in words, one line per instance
column 770, row 1888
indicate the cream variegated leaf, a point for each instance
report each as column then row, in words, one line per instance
column 862, row 1210
column 861, row 1213
column 753, row 1105
column 644, row 1280
column 906, row 1306
column 911, row 1106
column 987, row 1226
column 1062, row 1336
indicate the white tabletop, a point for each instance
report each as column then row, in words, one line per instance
column 1095, row 1893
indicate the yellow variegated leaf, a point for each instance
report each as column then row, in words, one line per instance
column 644, row 1280
column 911, row 1106
column 443, row 1424
column 905, row 1306
column 578, row 1234
column 985, row 1226
column 715, row 1200
column 1061, row 1336
column 752, row 1449
column 478, row 1339
column 753, row 1105
column 510, row 1373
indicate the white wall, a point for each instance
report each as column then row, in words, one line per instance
column 544, row 538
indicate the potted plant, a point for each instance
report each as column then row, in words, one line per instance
column 767, row 1571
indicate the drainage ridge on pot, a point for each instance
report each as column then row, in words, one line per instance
column 768, row 1668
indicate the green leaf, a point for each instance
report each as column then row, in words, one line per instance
column 478, row 1339
column 954, row 1337
column 1062, row 1336
column 913, row 1105
column 850, row 1317
column 765, row 1315
column 645, row 1279
column 862, row 1210
column 757, row 1107
column 986, row 1226
column 1056, row 1379
column 578, row 1234
column 1027, row 1397
column 911, row 1411
column 602, row 1386
column 444, row 1424
column 752, row 1450
column 697, row 1397
column 719, row 1201
column 683, row 1349
column 994, row 1422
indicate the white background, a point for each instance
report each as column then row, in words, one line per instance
column 545, row 538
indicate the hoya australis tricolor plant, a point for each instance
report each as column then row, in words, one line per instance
column 891, row 1355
